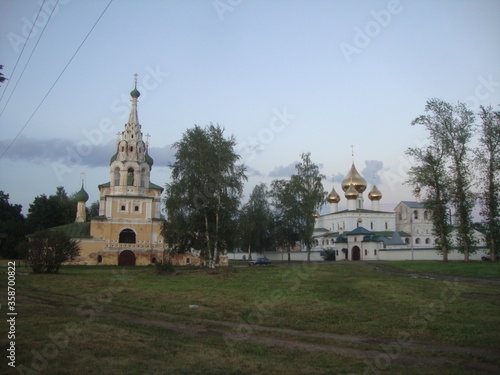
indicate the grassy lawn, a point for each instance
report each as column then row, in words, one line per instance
column 455, row 268
column 72, row 323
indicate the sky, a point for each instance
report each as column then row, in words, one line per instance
column 285, row 77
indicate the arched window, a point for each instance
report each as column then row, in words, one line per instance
column 426, row 215
column 417, row 240
column 127, row 236
column 415, row 214
column 427, row 241
column 116, row 176
column 407, row 240
column 153, row 260
column 99, row 259
column 130, row 177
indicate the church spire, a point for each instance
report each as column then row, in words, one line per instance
column 134, row 117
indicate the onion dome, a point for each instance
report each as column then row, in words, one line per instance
column 149, row 159
column 316, row 214
column 375, row 194
column 351, row 193
column 417, row 190
column 135, row 93
column 82, row 195
column 353, row 178
column 333, row 197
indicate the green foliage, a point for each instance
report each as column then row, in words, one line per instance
column 164, row 268
column 488, row 162
column 256, row 221
column 451, row 128
column 204, row 195
column 47, row 212
column 2, row 78
column 46, row 250
column 12, row 227
column 296, row 201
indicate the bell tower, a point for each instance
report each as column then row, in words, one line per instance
column 130, row 166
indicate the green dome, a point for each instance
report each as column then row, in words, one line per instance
column 135, row 93
column 149, row 159
column 82, row 195
column 113, row 158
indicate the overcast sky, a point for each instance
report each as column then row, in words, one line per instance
column 284, row 77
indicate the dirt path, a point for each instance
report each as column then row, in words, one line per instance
column 241, row 332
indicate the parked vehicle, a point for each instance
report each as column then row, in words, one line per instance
column 486, row 257
column 259, row 262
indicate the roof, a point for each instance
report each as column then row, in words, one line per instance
column 413, row 204
column 74, row 230
column 358, row 231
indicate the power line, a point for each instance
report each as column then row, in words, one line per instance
column 55, row 82
column 29, row 58
column 22, row 50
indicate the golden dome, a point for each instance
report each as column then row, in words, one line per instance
column 351, row 193
column 353, row 178
column 316, row 214
column 417, row 190
column 333, row 197
column 375, row 194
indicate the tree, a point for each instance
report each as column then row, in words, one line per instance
column 204, row 195
column 429, row 172
column 12, row 227
column 488, row 161
column 298, row 199
column 93, row 210
column 451, row 128
column 47, row 212
column 256, row 221
column 46, row 250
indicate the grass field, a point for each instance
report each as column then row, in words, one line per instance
column 301, row 319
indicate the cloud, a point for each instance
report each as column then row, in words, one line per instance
column 73, row 152
column 371, row 169
column 283, row 171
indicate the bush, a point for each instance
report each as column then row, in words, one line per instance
column 163, row 268
column 46, row 250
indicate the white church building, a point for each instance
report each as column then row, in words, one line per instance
column 367, row 233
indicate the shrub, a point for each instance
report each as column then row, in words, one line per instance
column 163, row 268
column 46, row 250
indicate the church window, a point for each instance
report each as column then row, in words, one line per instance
column 188, row 260
column 132, row 136
column 123, row 208
column 407, row 240
column 427, row 241
column 123, row 148
column 366, row 252
column 415, row 214
column 131, row 148
column 386, row 225
column 116, row 175
column 426, row 215
column 130, row 177
column 375, row 252
column 336, row 252
column 99, row 259
column 371, row 225
column 153, row 260
column 127, row 236
column 417, row 240
column 136, row 208
column 355, row 239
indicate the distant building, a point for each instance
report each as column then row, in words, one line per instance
column 360, row 233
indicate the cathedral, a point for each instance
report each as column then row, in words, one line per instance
column 360, row 233
column 128, row 230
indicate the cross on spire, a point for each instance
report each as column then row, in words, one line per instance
column 83, row 178
column 135, row 79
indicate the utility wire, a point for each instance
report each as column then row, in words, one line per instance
column 55, row 82
column 22, row 50
column 29, row 58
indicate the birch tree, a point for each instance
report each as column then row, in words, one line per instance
column 204, row 195
column 488, row 160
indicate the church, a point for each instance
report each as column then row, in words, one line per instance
column 360, row 233
column 128, row 230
